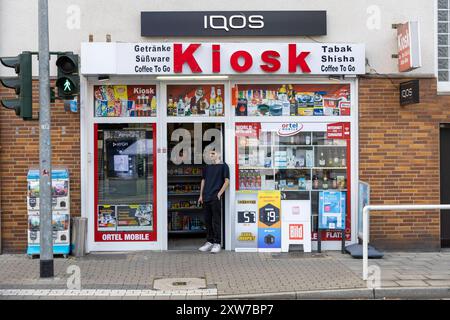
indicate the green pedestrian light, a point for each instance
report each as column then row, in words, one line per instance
column 68, row 78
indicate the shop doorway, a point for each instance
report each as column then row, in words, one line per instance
column 187, row 144
column 445, row 183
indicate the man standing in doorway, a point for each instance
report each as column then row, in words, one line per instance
column 215, row 180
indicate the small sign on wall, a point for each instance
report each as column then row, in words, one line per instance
column 408, row 39
column 409, row 92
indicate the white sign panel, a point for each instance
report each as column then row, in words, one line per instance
column 246, row 222
column 296, row 224
column 224, row 58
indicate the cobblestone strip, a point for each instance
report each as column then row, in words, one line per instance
column 169, row 294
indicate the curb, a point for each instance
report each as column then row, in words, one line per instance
column 342, row 294
column 412, row 293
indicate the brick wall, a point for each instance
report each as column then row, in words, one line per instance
column 19, row 141
column 399, row 157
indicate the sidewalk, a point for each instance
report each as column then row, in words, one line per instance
column 227, row 275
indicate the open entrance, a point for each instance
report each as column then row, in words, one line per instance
column 445, row 184
column 188, row 147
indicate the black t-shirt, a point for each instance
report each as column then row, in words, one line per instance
column 214, row 175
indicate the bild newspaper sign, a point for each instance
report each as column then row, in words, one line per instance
column 222, row 58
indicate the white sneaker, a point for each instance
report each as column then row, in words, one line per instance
column 206, row 247
column 216, row 248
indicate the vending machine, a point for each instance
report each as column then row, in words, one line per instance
column 60, row 210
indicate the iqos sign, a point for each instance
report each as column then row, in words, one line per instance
column 233, row 23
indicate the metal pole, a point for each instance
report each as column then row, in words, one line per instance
column 368, row 208
column 365, row 241
column 45, row 151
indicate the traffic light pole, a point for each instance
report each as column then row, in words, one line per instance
column 45, row 151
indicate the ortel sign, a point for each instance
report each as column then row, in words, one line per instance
column 289, row 129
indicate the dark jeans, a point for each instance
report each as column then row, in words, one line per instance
column 213, row 211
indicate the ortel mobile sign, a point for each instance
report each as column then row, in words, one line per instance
column 233, row 23
column 222, row 58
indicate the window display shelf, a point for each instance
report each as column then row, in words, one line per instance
column 330, row 145
column 184, row 176
column 182, row 209
column 275, row 168
column 187, row 231
column 290, row 190
column 329, row 168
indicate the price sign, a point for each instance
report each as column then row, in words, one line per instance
column 246, row 217
column 269, row 215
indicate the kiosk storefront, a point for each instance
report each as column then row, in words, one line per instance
column 282, row 115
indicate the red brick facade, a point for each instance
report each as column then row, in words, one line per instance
column 399, row 157
column 19, row 141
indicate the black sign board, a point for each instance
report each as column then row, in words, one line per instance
column 409, row 92
column 233, row 23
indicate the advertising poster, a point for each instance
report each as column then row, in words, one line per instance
column 107, row 219
column 246, row 222
column 292, row 100
column 269, row 225
column 135, row 217
column 296, row 221
column 122, row 150
column 195, row 100
column 332, row 206
column 125, row 101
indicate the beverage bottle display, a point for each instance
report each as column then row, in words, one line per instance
column 330, row 158
column 336, row 159
column 334, row 184
column 170, row 106
column 219, row 103
column 325, row 182
column 343, row 160
column 187, row 105
column 153, row 106
column 241, row 108
column 308, row 139
column 282, row 93
column 241, row 181
column 212, row 102
column 315, row 182
column 180, row 106
column 321, row 160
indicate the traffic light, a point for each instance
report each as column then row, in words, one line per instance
column 22, row 84
column 68, row 82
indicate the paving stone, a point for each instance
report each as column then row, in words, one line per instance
column 387, row 284
column 438, row 283
column 412, row 283
column 410, row 277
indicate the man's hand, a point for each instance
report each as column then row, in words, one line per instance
column 200, row 200
column 219, row 196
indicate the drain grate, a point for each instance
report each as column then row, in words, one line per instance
column 168, row 284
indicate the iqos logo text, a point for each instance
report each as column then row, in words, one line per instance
column 233, row 22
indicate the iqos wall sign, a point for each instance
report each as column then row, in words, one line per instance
column 230, row 23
